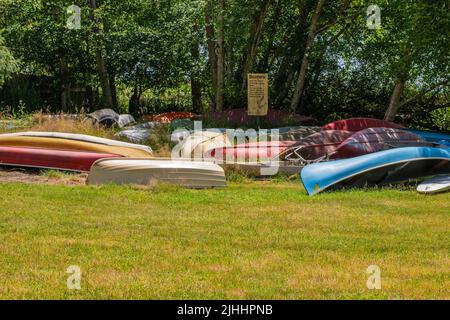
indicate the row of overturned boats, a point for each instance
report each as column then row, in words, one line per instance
column 356, row 152
column 350, row 153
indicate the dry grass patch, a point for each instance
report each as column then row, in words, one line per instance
column 60, row 123
column 49, row 177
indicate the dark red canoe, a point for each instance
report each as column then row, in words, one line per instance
column 358, row 124
column 375, row 140
column 50, row 159
column 315, row 146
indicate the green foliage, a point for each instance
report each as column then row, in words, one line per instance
column 237, row 176
column 441, row 118
column 159, row 101
column 159, row 139
column 153, row 49
column 8, row 65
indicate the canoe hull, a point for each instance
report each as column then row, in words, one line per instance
column 435, row 185
column 80, row 138
column 431, row 136
column 50, row 159
column 70, row 145
column 358, row 124
column 381, row 168
column 145, row 172
column 249, row 152
column 316, row 145
column 375, row 139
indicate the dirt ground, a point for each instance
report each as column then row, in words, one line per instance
column 18, row 175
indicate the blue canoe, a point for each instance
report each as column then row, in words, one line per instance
column 380, row 168
column 432, row 136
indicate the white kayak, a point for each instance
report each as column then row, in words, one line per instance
column 81, row 137
column 145, row 172
column 437, row 184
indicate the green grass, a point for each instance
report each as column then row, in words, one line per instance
column 252, row 240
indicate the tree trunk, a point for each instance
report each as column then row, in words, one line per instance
column 284, row 89
column 253, row 42
column 89, row 97
column 112, row 85
column 196, row 93
column 220, row 56
column 230, row 62
column 101, row 65
column 64, row 99
column 271, row 36
column 318, row 66
column 305, row 62
column 110, row 70
column 133, row 105
column 104, row 79
column 196, row 88
column 212, row 58
column 65, row 85
column 291, row 58
column 395, row 100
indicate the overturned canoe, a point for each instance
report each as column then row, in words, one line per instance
column 358, row 124
column 145, row 172
column 50, row 159
column 70, row 145
column 432, row 136
column 250, row 152
column 376, row 139
column 106, row 117
column 125, row 120
column 381, row 168
column 296, row 133
column 81, row 138
column 198, row 143
column 435, row 185
column 315, row 147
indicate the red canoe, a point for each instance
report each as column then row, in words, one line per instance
column 374, row 140
column 168, row 117
column 50, row 159
column 316, row 146
column 358, row 124
column 256, row 151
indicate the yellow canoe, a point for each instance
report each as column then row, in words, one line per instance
column 71, row 145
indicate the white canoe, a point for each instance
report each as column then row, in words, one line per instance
column 81, row 137
column 437, row 184
column 198, row 143
column 145, row 172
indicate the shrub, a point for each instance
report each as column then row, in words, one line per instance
column 441, row 118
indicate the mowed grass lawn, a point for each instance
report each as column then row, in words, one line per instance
column 258, row 240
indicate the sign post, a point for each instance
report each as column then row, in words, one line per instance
column 258, row 94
